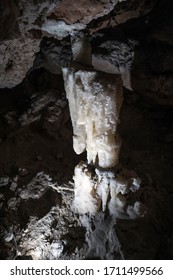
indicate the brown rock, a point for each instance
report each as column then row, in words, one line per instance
column 16, row 58
column 82, row 11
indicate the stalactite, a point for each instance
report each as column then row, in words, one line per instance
column 95, row 99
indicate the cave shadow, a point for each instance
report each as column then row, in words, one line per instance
column 146, row 128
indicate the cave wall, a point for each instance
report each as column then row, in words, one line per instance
column 132, row 38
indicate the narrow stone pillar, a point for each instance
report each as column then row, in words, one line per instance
column 95, row 100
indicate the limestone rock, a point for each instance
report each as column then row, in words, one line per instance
column 60, row 29
column 82, row 11
column 116, row 57
column 53, row 55
column 33, row 14
column 16, row 58
column 123, row 12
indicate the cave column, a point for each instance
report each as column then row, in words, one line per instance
column 95, row 100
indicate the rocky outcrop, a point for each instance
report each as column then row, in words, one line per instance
column 20, row 36
column 16, row 58
column 53, row 55
column 123, row 12
column 82, row 11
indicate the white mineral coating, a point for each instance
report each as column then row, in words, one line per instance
column 104, row 180
column 60, row 29
column 92, row 189
column 135, row 184
column 81, row 49
column 95, row 189
column 118, row 201
column 8, row 237
column 56, row 248
column 95, row 99
column 86, row 199
column 136, row 210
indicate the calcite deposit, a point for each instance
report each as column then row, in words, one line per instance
column 57, row 202
column 95, row 100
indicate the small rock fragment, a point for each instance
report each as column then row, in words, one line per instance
column 56, row 248
column 13, row 186
column 136, row 183
column 12, row 203
column 23, row 171
column 8, row 237
column 4, row 181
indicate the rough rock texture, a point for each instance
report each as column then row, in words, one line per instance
column 16, row 59
column 53, row 55
column 35, row 166
column 132, row 38
column 114, row 56
column 35, row 19
column 123, row 12
column 82, row 11
column 31, row 14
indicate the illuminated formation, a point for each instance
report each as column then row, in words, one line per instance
column 95, row 100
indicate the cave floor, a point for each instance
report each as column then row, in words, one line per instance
column 36, row 186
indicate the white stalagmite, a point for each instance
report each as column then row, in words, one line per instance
column 95, row 100
column 92, row 188
column 85, row 195
column 96, row 188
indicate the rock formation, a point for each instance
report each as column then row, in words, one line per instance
column 60, row 128
column 95, row 99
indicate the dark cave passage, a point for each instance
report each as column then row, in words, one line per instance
column 131, row 39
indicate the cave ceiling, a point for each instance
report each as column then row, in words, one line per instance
column 128, row 37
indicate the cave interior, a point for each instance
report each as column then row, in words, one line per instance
column 125, row 62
